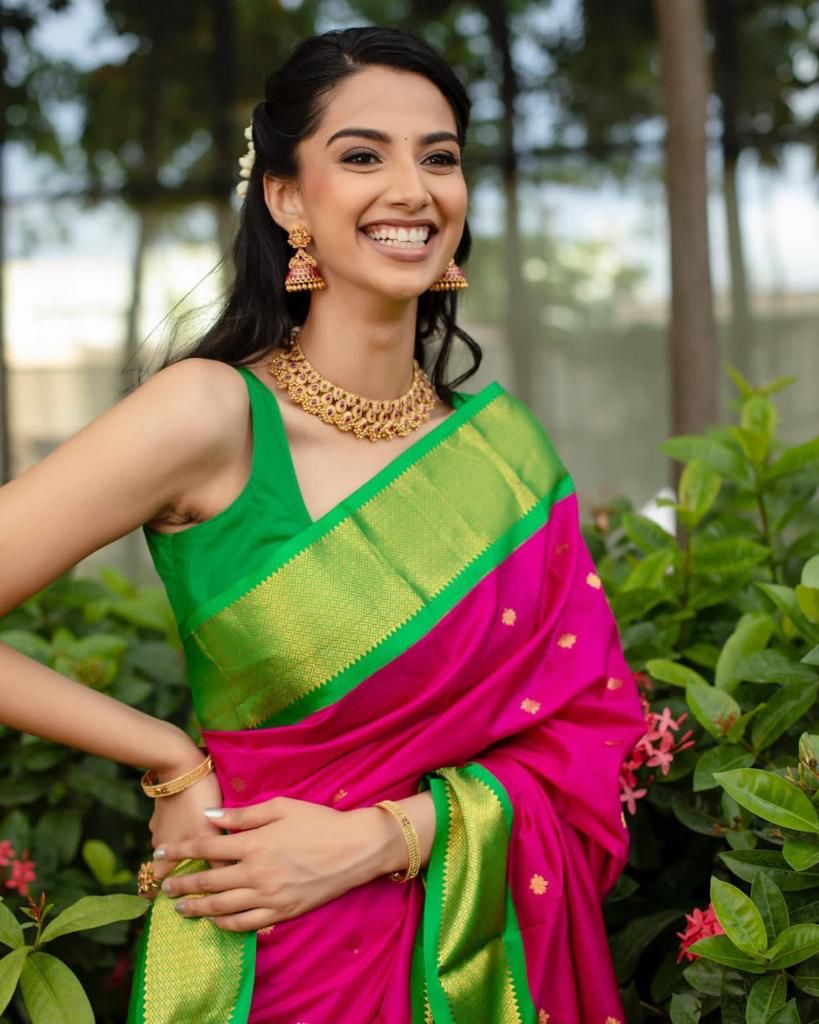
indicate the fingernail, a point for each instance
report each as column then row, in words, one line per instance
column 214, row 812
column 166, row 885
column 179, row 906
column 159, row 853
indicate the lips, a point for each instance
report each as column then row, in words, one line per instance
column 399, row 235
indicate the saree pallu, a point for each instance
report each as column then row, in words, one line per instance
column 441, row 629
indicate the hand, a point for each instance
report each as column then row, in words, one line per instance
column 288, row 856
column 179, row 817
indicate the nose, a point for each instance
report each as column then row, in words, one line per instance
column 408, row 187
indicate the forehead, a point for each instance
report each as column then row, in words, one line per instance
column 384, row 98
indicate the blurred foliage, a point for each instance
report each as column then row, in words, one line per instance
column 725, row 623
column 82, row 819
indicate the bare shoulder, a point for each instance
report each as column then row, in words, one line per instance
column 150, row 452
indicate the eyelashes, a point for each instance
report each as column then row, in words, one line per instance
column 446, row 158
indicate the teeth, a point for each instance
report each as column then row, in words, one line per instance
column 401, row 237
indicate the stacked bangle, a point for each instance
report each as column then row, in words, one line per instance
column 153, row 788
column 411, row 836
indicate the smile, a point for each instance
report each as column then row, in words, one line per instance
column 401, row 243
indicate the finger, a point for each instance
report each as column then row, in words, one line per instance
column 259, row 920
column 210, row 848
column 238, row 819
column 162, row 868
column 212, row 880
column 230, row 902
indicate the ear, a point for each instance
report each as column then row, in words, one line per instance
column 283, row 200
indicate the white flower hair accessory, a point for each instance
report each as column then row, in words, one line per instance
column 246, row 162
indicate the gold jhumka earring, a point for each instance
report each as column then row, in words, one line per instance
column 303, row 274
column 452, row 279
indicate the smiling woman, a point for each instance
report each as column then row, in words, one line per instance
column 403, row 662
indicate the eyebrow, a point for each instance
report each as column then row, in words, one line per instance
column 377, row 136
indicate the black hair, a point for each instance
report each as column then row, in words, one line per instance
column 258, row 313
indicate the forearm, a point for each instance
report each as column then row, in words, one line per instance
column 388, row 840
column 40, row 701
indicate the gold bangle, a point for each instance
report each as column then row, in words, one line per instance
column 411, row 836
column 172, row 786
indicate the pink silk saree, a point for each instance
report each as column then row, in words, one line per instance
column 441, row 629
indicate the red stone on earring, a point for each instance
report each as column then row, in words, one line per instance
column 452, row 279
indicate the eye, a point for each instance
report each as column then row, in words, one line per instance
column 355, row 157
column 444, row 159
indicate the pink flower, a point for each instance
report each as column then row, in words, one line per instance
column 6, row 853
column 656, row 748
column 22, row 872
column 701, row 925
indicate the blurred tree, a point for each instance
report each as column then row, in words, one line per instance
column 693, row 356
column 28, row 85
column 605, row 80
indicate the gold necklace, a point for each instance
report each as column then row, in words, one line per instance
column 371, row 418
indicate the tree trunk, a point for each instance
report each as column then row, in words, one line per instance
column 520, row 337
column 693, row 352
column 727, row 57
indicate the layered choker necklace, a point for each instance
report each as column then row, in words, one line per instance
column 371, row 418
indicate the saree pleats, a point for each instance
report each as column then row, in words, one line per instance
column 444, row 631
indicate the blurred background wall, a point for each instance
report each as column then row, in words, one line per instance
column 122, row 127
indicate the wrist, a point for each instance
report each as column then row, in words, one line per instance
column 385, row 844
column 179, row 754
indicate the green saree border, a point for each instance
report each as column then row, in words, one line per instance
column 360, row 496
column 427, row 617
column 444, row 1007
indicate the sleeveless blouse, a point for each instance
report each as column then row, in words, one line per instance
column 203, row 560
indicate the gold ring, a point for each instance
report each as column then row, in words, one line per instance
column 145, row 879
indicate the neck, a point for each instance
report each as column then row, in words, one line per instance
column 364, row 346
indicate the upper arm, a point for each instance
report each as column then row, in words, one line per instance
column 118, row 472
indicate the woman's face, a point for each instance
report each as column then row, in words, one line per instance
column 380, row 183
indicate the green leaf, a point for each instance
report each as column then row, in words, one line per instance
column 746, row 864
column 808, row 600
column 10, row 967
column 785, row 600
column 721, row 950
column 629, row 943
column 672, row 672
column 699, row 487
column 11, row 934
column 751, row 635
column 737, row 730
column 685, row 1008
column 722, row 457
column 793, row 460
column 788, row 1014
column 771, row 798
column 650, row 572
column 801, row 852
column 759, row 414
column 30, row 644
column 785, row 708
column 727, row 556
column 715, row 710
column 767, row 996
column 770, row 903
column 773, row 667
column 739, row 917
column 102, row 861
column 794, row 945
column 723, row 757
column 812, row 657
column 646, row 535
column 52, row 992
column 705, row 976
column 93, row 911
column 810, row 573
column 806, row 976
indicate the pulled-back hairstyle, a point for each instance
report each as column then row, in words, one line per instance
column 258, row 313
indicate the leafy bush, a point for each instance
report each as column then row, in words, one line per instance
column 722, row 627
column 81, row 822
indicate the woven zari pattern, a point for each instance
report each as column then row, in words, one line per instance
column 184, row 955
column 348, row 596
column 474, row 964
